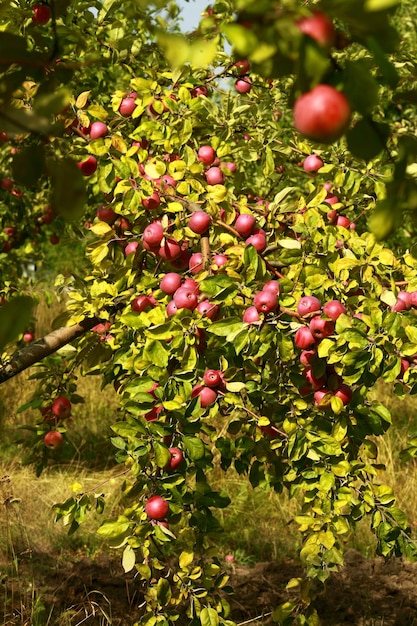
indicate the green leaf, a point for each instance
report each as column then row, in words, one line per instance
column 163, row 591
column 194, row 447
column 15, row 317
column 155, row 352
column 186, row 558
column 162, row 454
column 128, row 558
column 68, row 189
column 228, row 328
column 367, row 139
column 209, row 617
column 113, row 530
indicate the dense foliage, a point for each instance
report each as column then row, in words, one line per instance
column 231, row 274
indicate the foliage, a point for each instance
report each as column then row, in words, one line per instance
column 284, row 423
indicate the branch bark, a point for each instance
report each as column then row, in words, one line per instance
column 38, row 350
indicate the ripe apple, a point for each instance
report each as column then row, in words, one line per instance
column 405, row 364
column 6, row 184
column 242, row 66
column 344, row 392
column 214, row 176
column 185, row 298
column 151, row 202
column 333, row 309
column 131, row 247
column 206, row 155
column 213, row 378
column 320, row 28
column 207, row 395
column 140, row 303
column 41, row 14
column 251, row 315
column 200, row 90
column 312, row 163
column 306, row 357
column 199, row 222
column 319, row 396
column 170, row 283
column 322, row 114
column 128, row 105
column 61, row 407
column 208, row 309
column 271, row 285
column 89, row 166
column 265, row 301
column 98, row 129
column 245, row 224
column 304, row 338
column 153, row 234
column 53, row 439
column 170, row 250
column 171, row 308
column 28, row 337
column 195, row 263
column 192, row 284
column 106, row 214
column 175, row 460
column 220, row 260
column 406, row 297
column 243, row 85
column 54, row 239
column 258, row 241
column 316, row 383
column 156, row 508
column 307, row 305
column 343, row 221
column 321, row 328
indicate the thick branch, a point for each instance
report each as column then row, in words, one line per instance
column 42, row 348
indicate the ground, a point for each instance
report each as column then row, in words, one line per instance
column 95, row 592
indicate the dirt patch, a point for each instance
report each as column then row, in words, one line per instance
column 364, row 593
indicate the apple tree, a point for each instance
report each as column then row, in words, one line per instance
column 228, row 195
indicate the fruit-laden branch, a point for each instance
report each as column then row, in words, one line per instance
column 38, row 350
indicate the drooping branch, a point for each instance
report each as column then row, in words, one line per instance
column 38, row 350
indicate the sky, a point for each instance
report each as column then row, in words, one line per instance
column 191, row 12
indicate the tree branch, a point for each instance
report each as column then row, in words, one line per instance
column 38, row 350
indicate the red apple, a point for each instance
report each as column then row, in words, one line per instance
column 271, row 285
column 208, row 309
column 319, row 396
column 320, row 28
column 312, row 163
column 214, row 176
column 343, row 221
column 61, row 407
column 265, row 301
column 175, row 460
column 106, row 214
column 98, row 129
column 344, row 392
column 153, row 234
column 170, row 250
column 307, row 305
column 242, row 66
column 185, row 298
column 243, row 85
column 219, row 260
column 171, row 308
column 140, row 303
column 258, row 241
column 128, row 105
column 53, row 439
column 333, row 309
column 322, row 114
column 41, row 14
column 170, row 283
column 251, row 315
column 316, row 383
column 151, row 202
column 195, row 263
column 156, row 508
column 213, row 378
column 306, row 357
column 199, row 222
column 245, row 224
column 207, row 395
column 28, row 337
column 206, row 155
column 321, row 328
column 89, row 166
column 304, row 338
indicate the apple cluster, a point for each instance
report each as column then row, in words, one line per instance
column 265, row 301
column 59, row 410
column 321, row 325
column 207, row 390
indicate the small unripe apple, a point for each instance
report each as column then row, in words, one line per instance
column 175, row 459
column 61, row 407
column 321, row 328
column 320, row 28
column 312, row 163
column 41, row 14
column 140, row 303
column 304, row 338
column 308, row 304
column 322, row 114
column 251, row 315
column 333, row 309
column 265, row 301
column 185, row 298
column 214, row 176
column 199, row 222
column 156, row 508
column 243, row 85
column 245, row 224
column 89, row 166
column 53, row 439
column 170, row 283
column 98, row 129
column 206, row 155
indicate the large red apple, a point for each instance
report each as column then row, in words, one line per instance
column 61, row 407
column 322, row 114
column 156, row 507
column 320, row 28
column 175, row 459
column 53, row 439
column 41, row 14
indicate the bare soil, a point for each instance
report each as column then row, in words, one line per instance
column 364, row 593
